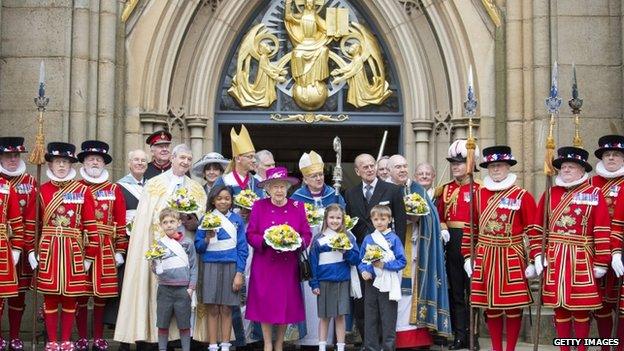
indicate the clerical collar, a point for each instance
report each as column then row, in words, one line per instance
column 18, row 172
column 70, row 176
column 560, row 182
column 504, row 184
column 94, row 180
column 602, row 171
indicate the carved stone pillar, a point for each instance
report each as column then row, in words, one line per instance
column 422, row 136
column 151, row 122
column 459, row 127
column 197, row 126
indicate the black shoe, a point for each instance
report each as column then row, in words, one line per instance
column 476, row 346
column 459, row 344
column 123, row 346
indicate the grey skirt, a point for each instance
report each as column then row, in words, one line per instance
column 217, row 284
column 334, row 299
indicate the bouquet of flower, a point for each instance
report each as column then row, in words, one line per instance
column 282, row 237
column 350, row 222
column 373, row 253
column 415, row 205
column 340, row 241
column 210, row 222
column 182, row 201
column 314, row 215
column 155, row 252
column 245, row 199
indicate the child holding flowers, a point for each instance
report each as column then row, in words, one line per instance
column 382, row 282
column 332, row 255
column 221, row 242
column 176, row 270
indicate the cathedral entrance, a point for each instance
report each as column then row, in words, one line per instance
column 289, row 142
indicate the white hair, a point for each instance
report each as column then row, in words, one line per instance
column 181, row 149
column 426, row 165
column 133, row 152
column 262, row 154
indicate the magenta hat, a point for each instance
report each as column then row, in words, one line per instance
column 278, row 173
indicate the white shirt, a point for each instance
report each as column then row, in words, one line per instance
column 372, row 185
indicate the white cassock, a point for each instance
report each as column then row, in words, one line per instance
column 138, row 296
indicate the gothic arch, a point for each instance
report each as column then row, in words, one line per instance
column 176, row 51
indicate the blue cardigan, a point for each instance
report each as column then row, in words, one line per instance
column 334, row 272
column 238, row 254
column 396, row 246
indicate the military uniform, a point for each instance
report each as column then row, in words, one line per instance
column 504, row 214
column 578, row 249
column 154, row 169
column 68, row 238
column 24, row 187
column 110, row 216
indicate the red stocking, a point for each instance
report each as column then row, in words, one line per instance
column 67, row 317
column 98, row 317
column 604, row 321
column 81, row 316
column 16, row 311
column 514, row 322
column 495, row 326
column 563, row 323
column 50, row 310
column 581, row 327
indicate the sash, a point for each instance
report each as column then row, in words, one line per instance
column 180, row 258
column 135, row 189
column 492, row 205
column 216, row 244
column 566, row 199
column 385, row 280
column 336, row 257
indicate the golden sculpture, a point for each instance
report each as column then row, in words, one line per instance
column 310, row 36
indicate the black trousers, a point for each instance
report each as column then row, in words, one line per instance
column 380, row 321
column 459, row 285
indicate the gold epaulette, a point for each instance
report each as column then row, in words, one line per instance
column 440, row 189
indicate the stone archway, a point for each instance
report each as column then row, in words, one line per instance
column 177, row 49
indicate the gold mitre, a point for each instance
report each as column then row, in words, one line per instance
column 241, row 143
column 311, row 163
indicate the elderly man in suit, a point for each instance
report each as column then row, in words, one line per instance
column 360, row 199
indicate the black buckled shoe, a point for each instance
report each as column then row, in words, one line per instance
column 458, row 344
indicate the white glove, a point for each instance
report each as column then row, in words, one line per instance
column 87, row 265
column 530, row 272
column 616, row 264
column 539, row 265
column 445, row 236
column 16, row 255
column 119, row 260
column 599, row 272
column 159, row 267
column 468, row 267
column 32, row 260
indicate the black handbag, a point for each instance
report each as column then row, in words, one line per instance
column 305, row 270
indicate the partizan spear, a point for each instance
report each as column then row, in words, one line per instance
column 37, row 158
column 553, row 103
column 470, row 105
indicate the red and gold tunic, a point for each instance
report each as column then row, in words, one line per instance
column 617, row 237
column 610, row 189
column 504, row 218
column 110, row 216
column 68, row 237
column 453, row 202
column 10, row 216
column 25, row 186
column 577, row 241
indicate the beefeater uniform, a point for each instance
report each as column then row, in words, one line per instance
column 577, row 247
column 505, row 214
column 68, row 238
column 611, row 184
column 110, row 216
column 453, row 203
column 24, row 187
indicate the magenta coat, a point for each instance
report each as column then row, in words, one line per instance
column 274, row 295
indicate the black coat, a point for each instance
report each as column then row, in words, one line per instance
column 358, row 207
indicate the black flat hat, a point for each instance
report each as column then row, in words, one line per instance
column 61, row 149
column 95, row 147
column 572, row 154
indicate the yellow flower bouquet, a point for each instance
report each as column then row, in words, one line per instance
column 183, row 201
column 373, row 253
column 350, row 222
column 282, row 238
column 340, row 241
column 155, row 252
column 245, row 199
column 415, row 205
column 210, row 222
column 314, row 215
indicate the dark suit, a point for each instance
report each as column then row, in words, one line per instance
column 358, row 207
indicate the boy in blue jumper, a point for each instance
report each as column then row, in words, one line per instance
column 382, row 282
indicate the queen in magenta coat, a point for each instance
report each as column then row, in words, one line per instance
column 274, row 295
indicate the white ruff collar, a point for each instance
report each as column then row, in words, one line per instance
column 99, row 180
column 18, row 172
column 560, row 182
column 70, row 176
column 602, row 171
column 504, row 184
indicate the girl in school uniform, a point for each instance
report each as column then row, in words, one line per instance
column 332, row 274
column 223, row 253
